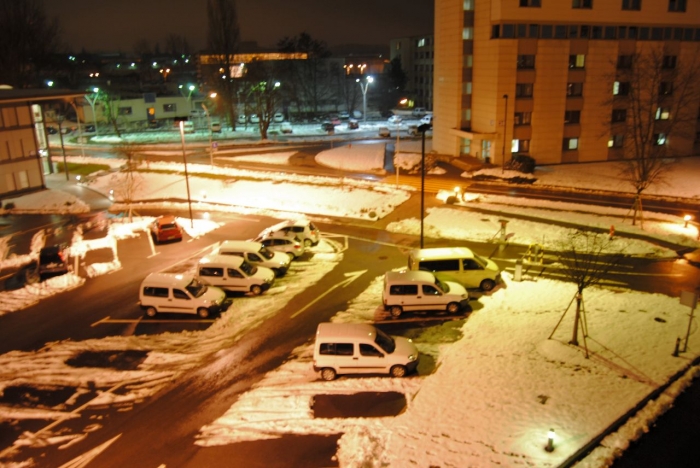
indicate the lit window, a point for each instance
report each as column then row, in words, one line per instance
column 468, row 61
column 570, row 144
column 467, row 34
column 663, row 113
column 659, row 139
column 468, row 5
column 577, row 61
column 621, row 88
column 421, row 42
column 616, row 141
column 520, row 146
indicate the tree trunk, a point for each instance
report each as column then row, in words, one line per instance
column 577, row 318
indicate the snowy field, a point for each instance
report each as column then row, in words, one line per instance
column 487, row 389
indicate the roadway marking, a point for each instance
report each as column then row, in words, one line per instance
column 108, row 319
column 84, row 459
column 349, row 278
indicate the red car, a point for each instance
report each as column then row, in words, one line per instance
column 165, row 228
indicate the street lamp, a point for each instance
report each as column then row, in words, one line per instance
column 364, row 96
column 422, row 129
column 189, row 90
column 211, row 153
column 92, row 102
column 505, row 127
column 187, row 179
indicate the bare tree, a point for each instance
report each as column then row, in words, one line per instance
column 586, row 258
column 655, row 102
column 224, row 40
column 27, row 40
column 177, row 45
column 263, row 94
column 128, row 186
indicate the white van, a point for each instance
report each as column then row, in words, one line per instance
column 256, row 254
column 234, row 273
column 421, row 290
column 167, row 292
column 457, row 264
column 345, row 348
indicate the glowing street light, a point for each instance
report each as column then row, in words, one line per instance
column 92, row 99
column 364, row 95
column 687, row 219
column 187, row 179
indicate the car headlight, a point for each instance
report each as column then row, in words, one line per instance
column 412, row 357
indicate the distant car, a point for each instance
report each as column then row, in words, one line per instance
column 216, row 127
column 419, row 111
column 289, row 245
column 328, row 127
column 53, row 261
column 165, row 228
column 334, row 119
column 353, row 124
column 52, row 130
column 242, row 119
column 344, row 115
column 384, row 132
column 278, row 117
column 254, row 118
column 88, row 128
column 286, row 127
column 302, row 229
column 395, row 119
column 357, row 114
column 427, row 119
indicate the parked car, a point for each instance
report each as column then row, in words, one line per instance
column 286, row 127
column 419, row 111
column 395, row 119
column 170, row 292
column 51, row 130
column 234, row 273
column 254, row 118
column 457, row 264
column 289, row 245
column 302, row 229
column 421, row 291
column 427, row 119
column 256, row 254
column 242, row 119
column 90, row 128
column 353, row 124
column 278, row 117
column 344, row 115
column 357, row 114
column 53, row 261
column 361, row 348
column 216, row 127
column 384, row 132
column 328, row 127
column 165, row 228
column 334, row 119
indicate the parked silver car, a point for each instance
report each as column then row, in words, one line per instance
column 289, row 245
column 302, row 229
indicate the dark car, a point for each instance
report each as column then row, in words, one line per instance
column 53, row 261
column 165, row 229
column 353, row 124
column 328, row 127
column 52, row 130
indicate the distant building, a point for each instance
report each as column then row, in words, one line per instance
column 416, row 54
column 24, row 148
column 534, row 76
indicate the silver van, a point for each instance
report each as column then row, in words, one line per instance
column 234, row 273
column 457, row 264
column 168, row 292
column 256, row 254
column 354, row 348
column 421, row 291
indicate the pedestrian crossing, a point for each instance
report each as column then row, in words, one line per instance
column 432, row 185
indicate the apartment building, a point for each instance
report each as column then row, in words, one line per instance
column 416, row 54
column 538, row 77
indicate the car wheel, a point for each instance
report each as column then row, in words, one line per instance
column 203, row 312
column 151, row 312
column 395, row 311
column 398, row 371
column 256, row 290
column 308, row 243
column 328, row 374
column 452, row 308
column 487, row 285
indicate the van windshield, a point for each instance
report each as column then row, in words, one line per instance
column 248, row 268
column 441, row 285
column 385, row 341
column 196, row 288
column 482, row 261
column 265, row 252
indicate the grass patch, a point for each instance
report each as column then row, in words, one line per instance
column 82, row 169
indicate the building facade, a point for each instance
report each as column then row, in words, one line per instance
column 538, row 77
column 416, row 54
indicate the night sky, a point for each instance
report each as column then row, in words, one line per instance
column 116, row 25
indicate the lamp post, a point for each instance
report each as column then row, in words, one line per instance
column 211, row 154
column 60, row 119
column 422, row 129
column 80, row 128
column 505, row 127
column 190, row 88
column 92, row 106
column 364, row 96
column 187, row 179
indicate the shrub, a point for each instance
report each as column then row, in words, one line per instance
column 522, row 163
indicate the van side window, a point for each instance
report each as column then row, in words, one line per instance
column 210, row 271
column 254, row 257
column 233, row 273
column 369, row 350
column 155, row 292
column 440, row 265
column 336, row 349
column 471, row 264
column 430, row 290
column 403, row 290
column 180, row 294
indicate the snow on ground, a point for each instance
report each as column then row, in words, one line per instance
column 501, row 379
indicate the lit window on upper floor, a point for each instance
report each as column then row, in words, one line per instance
column 468, row 61
column 577, row 61
column 421, row 42
column 616, row 141
column 663, row 113
column 632, row 5
column 621, row 88
column 659, row 139
column 468, row 34
column 468, row 5
column 467, row 88
column 526, row 61
column 582, row 4
column 520, row 146
column 530, row 3
column 676, row 5
column 570, row 144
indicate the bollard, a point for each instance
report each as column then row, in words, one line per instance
column 678, row 345
column 612, row 231
column 518, row 270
